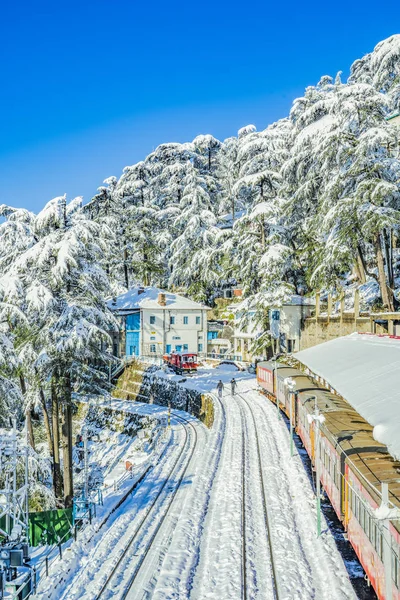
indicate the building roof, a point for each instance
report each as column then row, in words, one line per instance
column 365, row 370
column 133, row 300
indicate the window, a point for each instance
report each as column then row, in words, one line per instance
column 172, row 320
column 152, row 348
column 168, row 348
column 152, row 320
column 176, row 337
column 395, row 567
column 200, row 348
column 275, row 315
column 185, row 347
column 185, row 320
column 197, row 320
column 153, row 337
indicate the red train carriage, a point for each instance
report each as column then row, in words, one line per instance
column 182, row 362
column 352, row 465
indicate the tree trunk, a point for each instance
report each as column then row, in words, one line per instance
column 57, row 479
column 233, row 208
column 67, row 442
column 262, row 225
column 28, row 413
column 387, row 236
column 47, row 423
column 387, row 297
column 126, row 268
column 28, row 416
column 360, row 266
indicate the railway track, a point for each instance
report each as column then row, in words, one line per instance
column 245, row 447
column 187, row 451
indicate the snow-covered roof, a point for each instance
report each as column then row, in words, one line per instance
column 148, row 298
column 365, row 370
column 297, row 300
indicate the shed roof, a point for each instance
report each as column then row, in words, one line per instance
column 148, row 298
column 365, row 370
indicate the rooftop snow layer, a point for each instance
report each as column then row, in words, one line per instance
column 365, row 370
column 132, row 300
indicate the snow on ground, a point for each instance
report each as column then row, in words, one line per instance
column 196, row 551
column 109, row 454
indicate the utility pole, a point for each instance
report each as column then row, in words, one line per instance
column 291, row 384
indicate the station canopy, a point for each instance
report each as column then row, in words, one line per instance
column 365, row 370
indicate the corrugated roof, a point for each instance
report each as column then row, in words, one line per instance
column 132, row 300
column 365, row 370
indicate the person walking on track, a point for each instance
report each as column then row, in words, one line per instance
column 220, row 388
column 233, row 386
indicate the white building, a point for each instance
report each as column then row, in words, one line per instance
column 155, row 322
column 286, row 323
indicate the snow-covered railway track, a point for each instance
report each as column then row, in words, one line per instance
column 246, row 473
column 126, row 562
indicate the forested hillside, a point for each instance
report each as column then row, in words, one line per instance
column 313, row 201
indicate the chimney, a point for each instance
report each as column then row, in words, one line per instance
column 162, row 300
column 140, row 290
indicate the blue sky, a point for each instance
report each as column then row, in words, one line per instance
column 89, row 87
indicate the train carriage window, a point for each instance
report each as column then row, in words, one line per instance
column 362, row 515
column 372, row 533
column 367, row 522
column 357, row 509
column 395, row 567
column 378, row 542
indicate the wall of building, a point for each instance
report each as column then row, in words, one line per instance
column 322, row 329
column 162, row 335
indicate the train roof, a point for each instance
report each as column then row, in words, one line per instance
column 270, row 364
column 346, row 428
column 364, row 369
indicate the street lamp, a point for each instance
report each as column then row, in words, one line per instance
column 291, row 384
column 317, row 419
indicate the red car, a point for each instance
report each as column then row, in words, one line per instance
column 181, row 362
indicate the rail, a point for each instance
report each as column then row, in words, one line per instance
column 264, row 502
column 149, row 513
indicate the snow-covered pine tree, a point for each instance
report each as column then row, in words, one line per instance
column 191, row 264
column 63, row 299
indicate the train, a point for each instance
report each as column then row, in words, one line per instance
column 353, row 465
column 182, row 362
